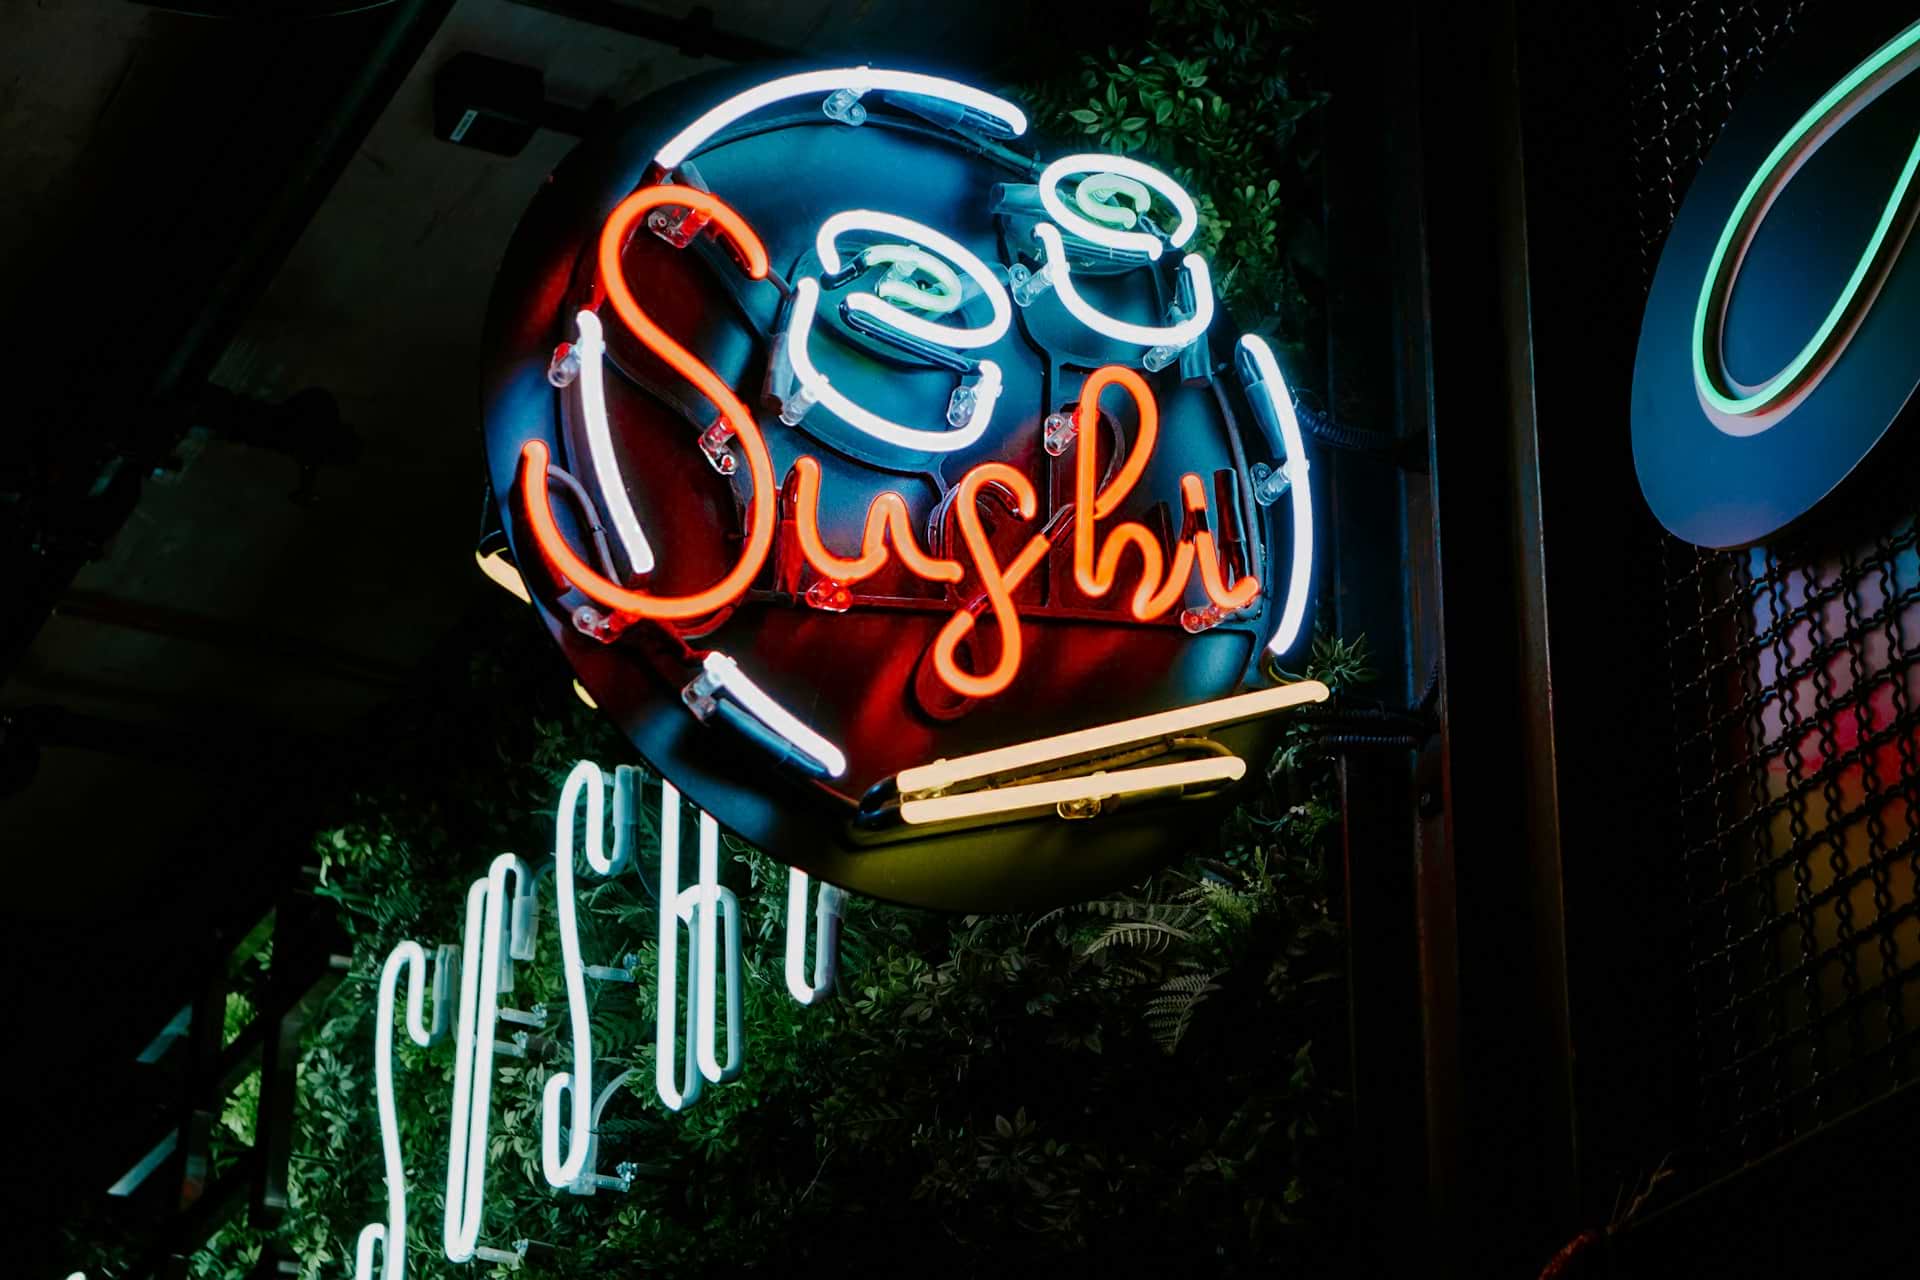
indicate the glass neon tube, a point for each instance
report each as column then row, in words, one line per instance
column 806, row 300
column 887, row 520
column 391, row 1239
column 482, row 958
column 824, row 960
column 1093, row 163
column 1095, row 194
column 760, row 515
column 1107, row 738
column 706, row 903
column 562, row 1171
column 727, row 675
column 1055, row 265
column 1096, row 574
column 669, row 1048
column 1890, row 64
column 861, row 79
column 998, row 585
column 831, row 263
column 944, row 299
column 1213, row 770
column 1273, row 388
column 606, row 469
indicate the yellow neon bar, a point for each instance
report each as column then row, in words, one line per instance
column 941, row 774
column 1095, row 786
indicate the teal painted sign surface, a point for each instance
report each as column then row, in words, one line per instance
column 1778, row 350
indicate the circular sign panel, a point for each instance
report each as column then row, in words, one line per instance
column 895, row 487
column 1777, row 349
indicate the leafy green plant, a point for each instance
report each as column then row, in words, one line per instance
column 1140, row 1079
column 1214, row 97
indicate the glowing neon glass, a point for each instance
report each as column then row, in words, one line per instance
column 1888, row 65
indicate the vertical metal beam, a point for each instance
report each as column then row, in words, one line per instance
column 310, row 955
column 1626, row 915
column 1376, row 344
column 1498, row 1058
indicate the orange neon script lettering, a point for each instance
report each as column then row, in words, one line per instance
column 760, row 502
column 888, row 531
column 887, row 520
column 1095, row 575
column 996, row 583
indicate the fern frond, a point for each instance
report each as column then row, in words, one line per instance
column 1149, row 935
column 1170, row 1013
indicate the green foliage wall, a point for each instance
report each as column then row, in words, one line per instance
column 1151, row 1076
column 1215, row 95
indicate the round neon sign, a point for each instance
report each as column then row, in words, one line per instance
column 1776, row 352
column 892, row 487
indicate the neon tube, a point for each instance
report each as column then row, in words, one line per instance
column 861, row 79
column 1124, row 214
column 459, row 1241
column 727, row 675
column 391, row 1239
column 760, row 509
column 1095, row 575
column 806, row 300
column 1055, row 264
column 1094, row 164
column 563, row 1171
column 1207, row 557
column 683, row 1094
column 592, row 1181
column 824, row 934
column 887, row 520
column 1105, row 739
column 1300, row 573
column 831, row 263
column 706, row 903
column 1097, row 786
column 1888, row 65
column 482, row 959
column 592, row 348
column 998, row 585
column 1155, row 594
column 697, row 909
column 904, row 262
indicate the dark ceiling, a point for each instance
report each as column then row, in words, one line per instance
column 239, row 504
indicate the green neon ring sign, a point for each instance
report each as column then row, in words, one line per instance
column 1738, row 410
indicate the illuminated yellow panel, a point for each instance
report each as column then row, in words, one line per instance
column 1162, row 724
column 1097, row 786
